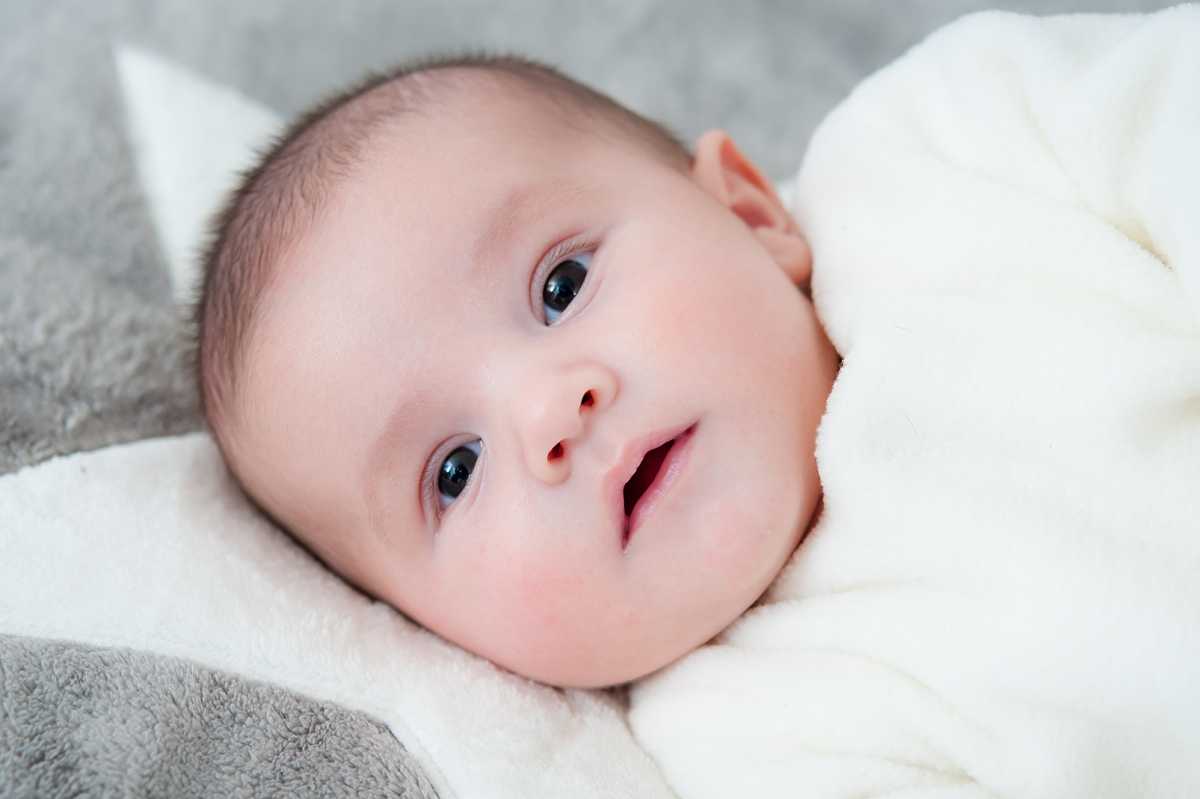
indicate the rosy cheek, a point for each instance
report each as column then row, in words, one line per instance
column 545, row 594
column 734, row 536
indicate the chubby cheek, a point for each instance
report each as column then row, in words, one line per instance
column 722, row 316
column 543, row 592
column 735, row 545
column 536, row 605
column 737, row 540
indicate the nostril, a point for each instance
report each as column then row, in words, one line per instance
column 587, row 401
column 556, row 452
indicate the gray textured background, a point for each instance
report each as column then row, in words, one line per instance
column 91, row 348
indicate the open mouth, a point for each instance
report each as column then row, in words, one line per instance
column 652, row 479
column 647, row 470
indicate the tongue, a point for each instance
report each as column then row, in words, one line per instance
column 644, row 476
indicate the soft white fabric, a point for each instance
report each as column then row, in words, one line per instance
column 190, row 138
column 1002, row 597
column 149, row 545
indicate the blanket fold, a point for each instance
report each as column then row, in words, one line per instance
column 1001, row 596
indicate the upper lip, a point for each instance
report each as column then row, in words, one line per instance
column 630, row 458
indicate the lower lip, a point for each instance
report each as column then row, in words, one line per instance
column 668, row 475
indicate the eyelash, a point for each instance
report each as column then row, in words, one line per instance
column 556, row 255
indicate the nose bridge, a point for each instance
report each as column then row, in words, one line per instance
column 554, row 409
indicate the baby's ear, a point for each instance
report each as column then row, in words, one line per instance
column 720, row 169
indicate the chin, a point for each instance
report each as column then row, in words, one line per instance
column 591, row 672
column 590, row 675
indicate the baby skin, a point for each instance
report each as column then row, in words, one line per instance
column 547, row 394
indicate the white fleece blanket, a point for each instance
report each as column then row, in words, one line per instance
column 1002, row 597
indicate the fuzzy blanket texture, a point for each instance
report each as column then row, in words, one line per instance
column 1001, row 597
column 156, row 636
column 117, row 722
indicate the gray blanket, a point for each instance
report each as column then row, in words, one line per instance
column 77, row 720
column 91, row 350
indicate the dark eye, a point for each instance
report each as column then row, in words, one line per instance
column 455, row 471
column 563, row 284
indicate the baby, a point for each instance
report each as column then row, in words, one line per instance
column 508, row 357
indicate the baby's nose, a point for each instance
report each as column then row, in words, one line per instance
column 557, row 418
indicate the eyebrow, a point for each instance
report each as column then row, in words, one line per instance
column 516, row 209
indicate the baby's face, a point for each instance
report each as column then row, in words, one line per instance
column 464, row 360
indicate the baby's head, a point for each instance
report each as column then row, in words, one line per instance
column 453, row 322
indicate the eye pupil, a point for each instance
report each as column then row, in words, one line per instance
column 564, row 284
column 455, row 471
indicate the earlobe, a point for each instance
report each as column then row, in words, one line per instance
column 721, row 169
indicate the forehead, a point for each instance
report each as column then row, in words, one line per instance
column 424, row 189
column 432, row 175
column 448, row 189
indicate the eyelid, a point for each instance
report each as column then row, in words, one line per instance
column 426, row 487
column 559, row 252
column 428, row 484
